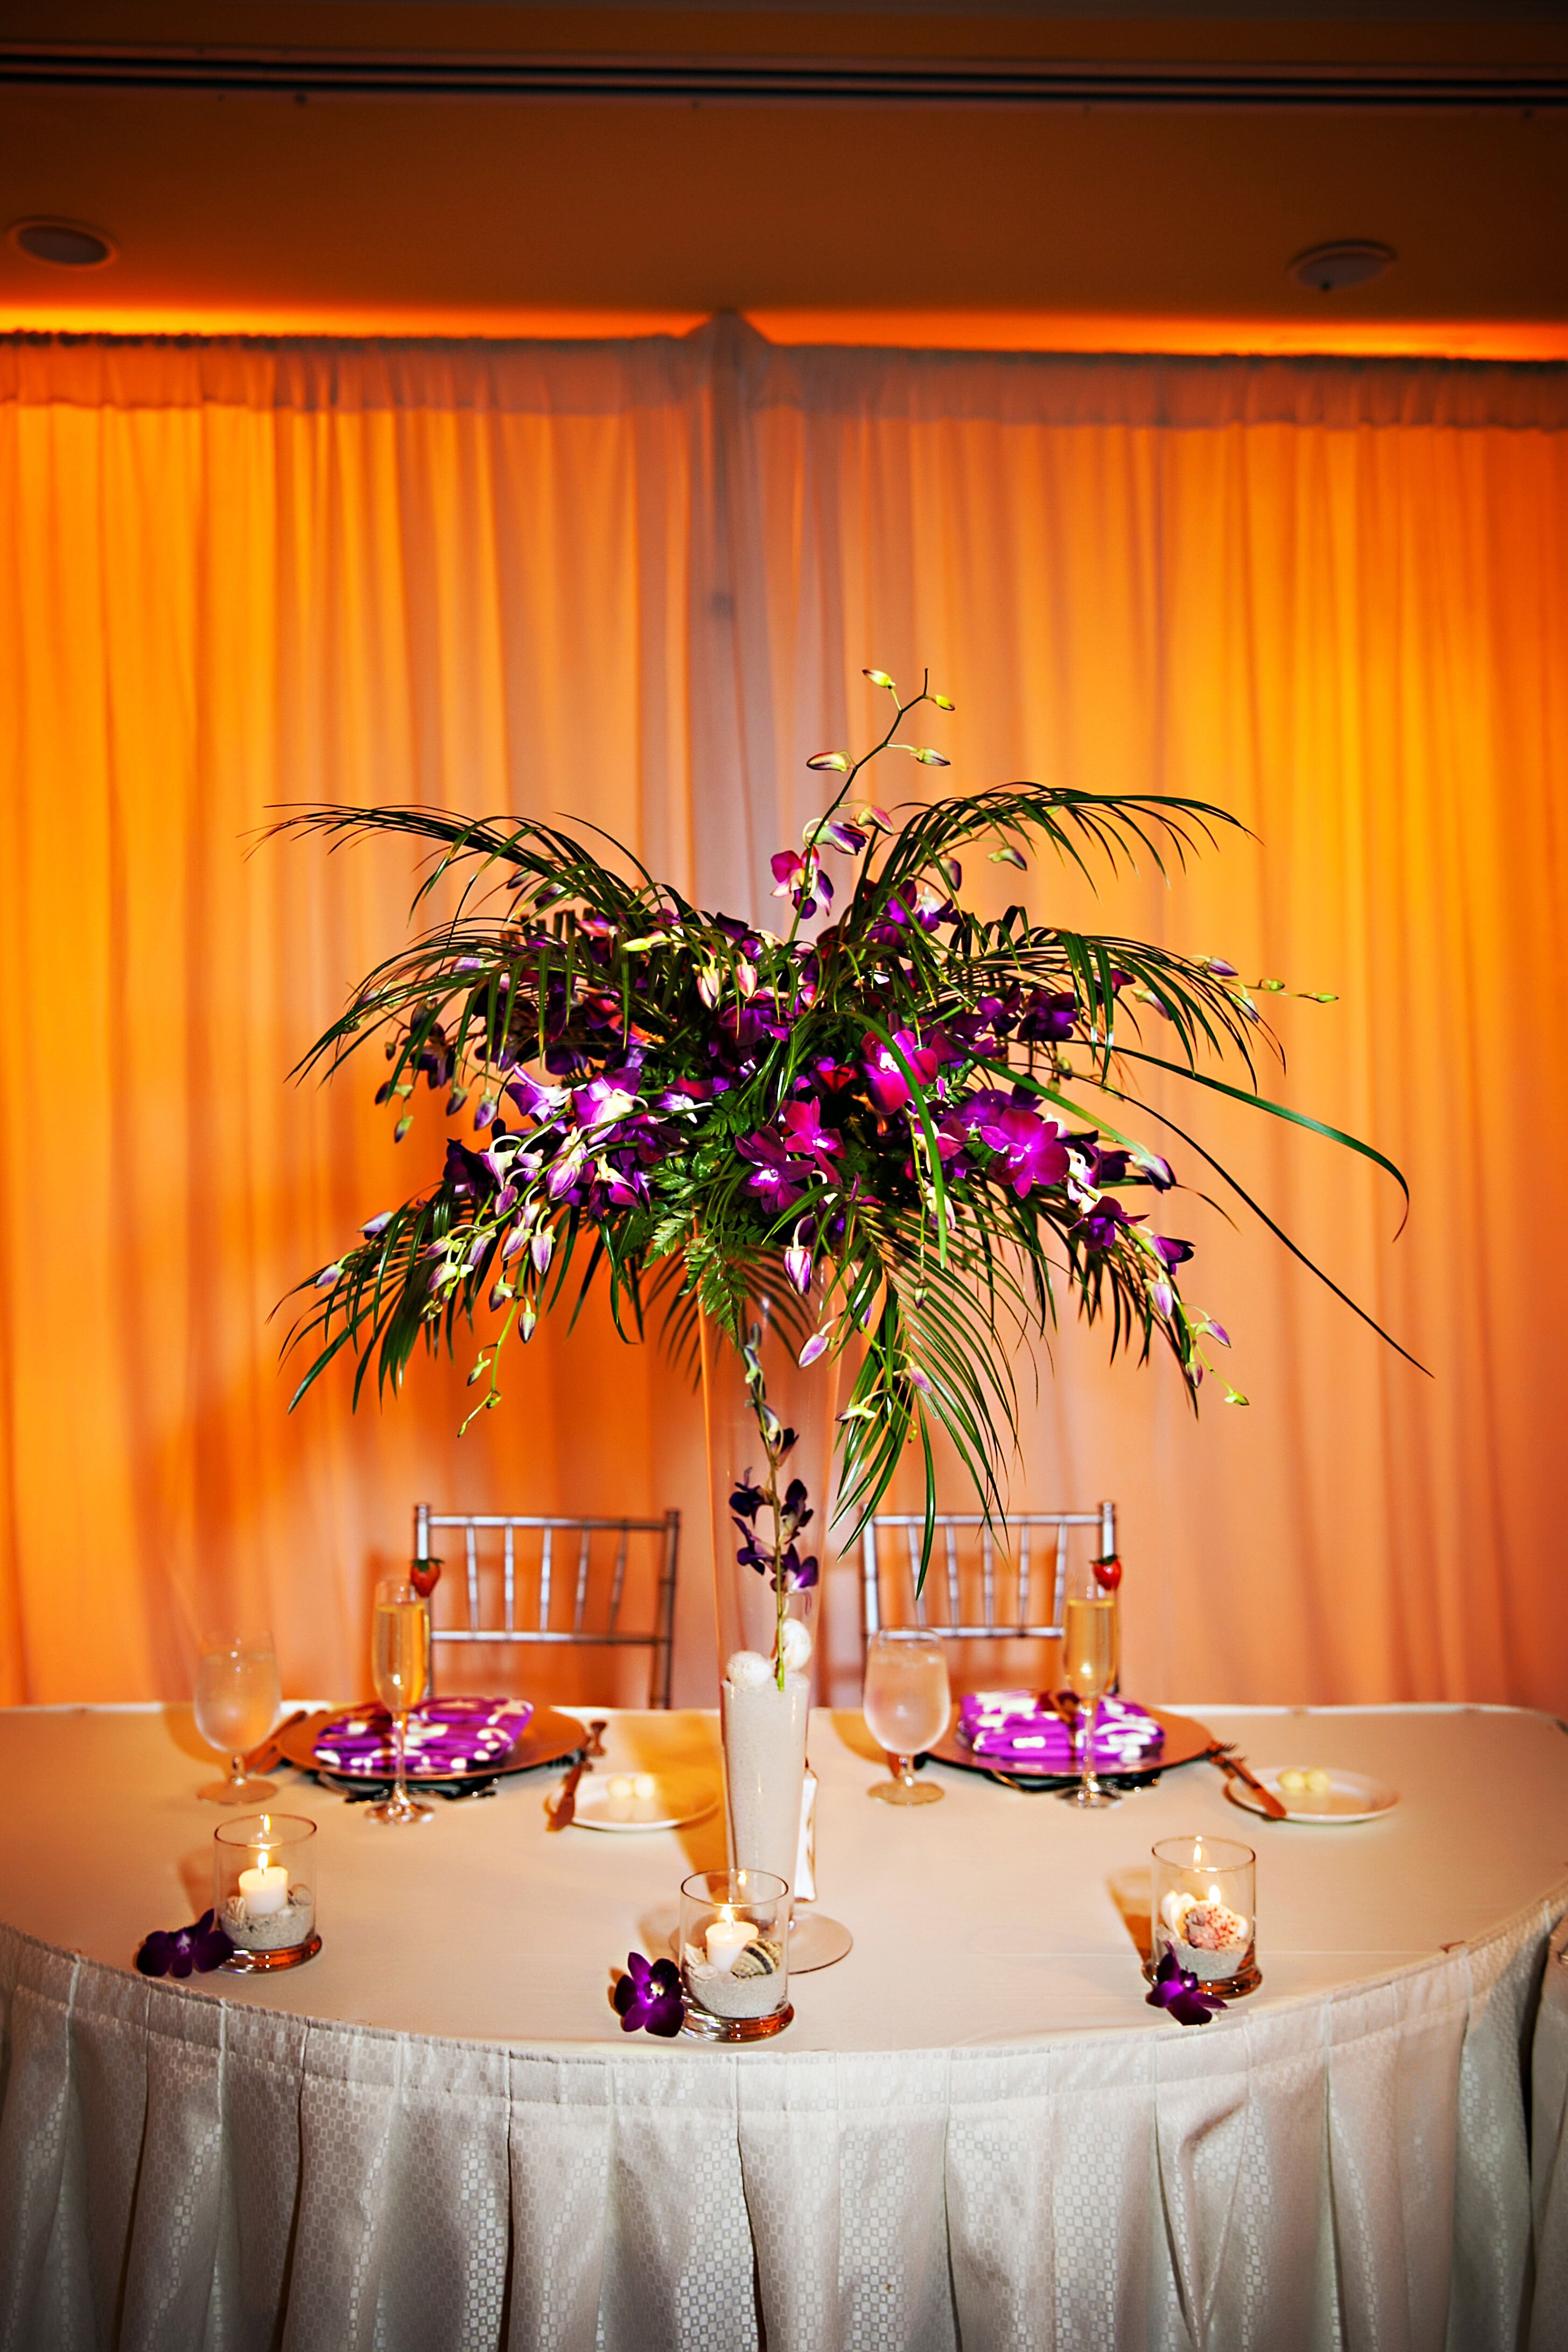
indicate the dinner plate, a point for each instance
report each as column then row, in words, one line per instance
column 1185, row 1742
column 1349, row 1796
column 677, row 1797
column 547, row 1738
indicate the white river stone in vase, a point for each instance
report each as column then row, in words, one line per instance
column 764, row 1767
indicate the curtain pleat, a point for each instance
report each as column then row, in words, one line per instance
column 636, row 584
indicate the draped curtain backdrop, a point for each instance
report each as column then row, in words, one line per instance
column 636, row 583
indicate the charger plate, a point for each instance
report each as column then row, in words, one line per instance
column 548, row 1737
column 1186, row 1742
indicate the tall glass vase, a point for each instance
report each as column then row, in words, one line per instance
column 770, row 1457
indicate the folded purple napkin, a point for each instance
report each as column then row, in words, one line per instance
column 445, row 1736
column 1020, row 1730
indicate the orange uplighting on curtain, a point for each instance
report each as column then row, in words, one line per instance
column 636, row 583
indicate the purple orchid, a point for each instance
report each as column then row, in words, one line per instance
column 1174, row 1253
column 1100, row 1224
column 777, row 1179
column 1032, row 1148
column 1179, row 1994
column 648, row 1996
column 886, row 1084
column 805, row 1138
column 175, row 1952
column 1048, row 1020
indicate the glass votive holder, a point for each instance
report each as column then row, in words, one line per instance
column 1203, row 1908
column 734, row 1955
column 264, row 1889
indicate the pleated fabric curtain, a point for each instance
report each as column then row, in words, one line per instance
column 636, row 583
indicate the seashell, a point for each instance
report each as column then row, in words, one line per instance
column 747, row 1670
column 762, row 1959
column 1213, row 1928
column 795, row 1642
column 1175, row 1909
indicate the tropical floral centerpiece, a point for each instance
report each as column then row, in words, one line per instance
column 914, row 1120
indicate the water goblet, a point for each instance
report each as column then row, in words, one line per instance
column 401, row 1665
column 1090, row 1641
column 238, row 1701
column 907, row 1702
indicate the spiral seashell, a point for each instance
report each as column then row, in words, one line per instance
column 762, row 1959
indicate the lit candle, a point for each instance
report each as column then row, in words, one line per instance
column 265, row 1889
column 727, row 1939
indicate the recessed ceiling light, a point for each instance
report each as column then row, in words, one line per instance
column 66, row 245
column 1350, row 261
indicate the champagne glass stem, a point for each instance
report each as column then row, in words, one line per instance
column 904, row 1770
column 1089, row 1716
column 400, row 1765
column 237, row 1771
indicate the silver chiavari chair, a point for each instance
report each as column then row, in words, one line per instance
column 571, row 1586
column 955, row 1580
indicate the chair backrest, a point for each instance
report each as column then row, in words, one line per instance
column 569, row 1587
column 957, row 1581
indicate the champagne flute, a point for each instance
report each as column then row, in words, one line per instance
column 238, row 1701
column 907, row 1701
column 1090, row 1641
column 401, row 1663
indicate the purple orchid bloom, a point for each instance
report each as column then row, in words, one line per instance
column 805, row 1138
column 885, row 1081
column 776, row 1181
column 1178, row 1992
column 175, row 1952
column 467, row 1173
column 1174, row 1253
column 1048, row 1020
column 1100, row 1225
column 799, row 1265
column 649, row 1996
column 1031, row 1147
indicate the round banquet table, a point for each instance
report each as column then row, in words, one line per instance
column 977, row 2134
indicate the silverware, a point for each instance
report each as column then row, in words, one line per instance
column 558, row 1816
column 1236, row 1767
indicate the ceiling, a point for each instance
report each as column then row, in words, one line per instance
column 957, row 174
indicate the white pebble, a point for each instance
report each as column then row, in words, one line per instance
column 747, row 1670
column 794, row 1641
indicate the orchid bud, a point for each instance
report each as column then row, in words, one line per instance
column 500, row 1292
column 880, row 677
column 455, row 1101
column 378, row 1224
column 400, row 1129
column 951, row 872
column 1009, row 856
column 942, row 703
column 485, row 1114
column 835, row 760
column 526, row 1323
column 817, row 1344
column 798, row 1266
column 327, row 1276
column 541, row 1248
column 929, row 758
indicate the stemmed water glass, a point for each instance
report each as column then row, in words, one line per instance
column 907, row 1701
column 1090, row 1641
column 238, row 1701
column 401, row 1663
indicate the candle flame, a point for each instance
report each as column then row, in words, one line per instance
column 1213, row 1893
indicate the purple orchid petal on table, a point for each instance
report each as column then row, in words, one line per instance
column 175, row 1952
column 1176, row 1990
column 648, row 1997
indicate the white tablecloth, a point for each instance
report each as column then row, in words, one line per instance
column 977, row 2133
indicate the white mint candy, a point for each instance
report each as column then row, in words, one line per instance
column 747, row 1670
column 795, row 1642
